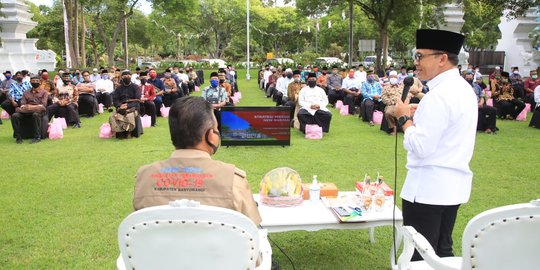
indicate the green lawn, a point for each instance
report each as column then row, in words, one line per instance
column 62, row 200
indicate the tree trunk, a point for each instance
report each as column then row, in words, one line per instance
column 94, row 46
column 384, row 34
column 76, row 31
column 83, row 39
column 71, row 34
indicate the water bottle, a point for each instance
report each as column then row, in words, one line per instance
column 314, row 190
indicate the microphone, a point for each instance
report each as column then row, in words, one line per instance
column 407, row 83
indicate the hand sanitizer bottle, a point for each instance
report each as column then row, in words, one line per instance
column 314, row 190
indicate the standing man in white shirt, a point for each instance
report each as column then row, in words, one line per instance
column 439, row 141
column 313, row 101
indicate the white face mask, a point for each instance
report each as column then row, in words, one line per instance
column 393, row 80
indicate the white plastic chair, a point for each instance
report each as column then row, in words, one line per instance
column 187, row 235
column 502, row 238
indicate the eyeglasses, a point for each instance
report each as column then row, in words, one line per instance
column 418, row 56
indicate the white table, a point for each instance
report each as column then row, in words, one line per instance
column 310, row 216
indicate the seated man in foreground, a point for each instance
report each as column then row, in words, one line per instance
column 190, row 172
column 313, row 101
column 33, row 105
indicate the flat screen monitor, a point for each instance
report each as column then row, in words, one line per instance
column 255, row 126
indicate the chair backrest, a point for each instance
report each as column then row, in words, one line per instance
column 184, row 235
column 506, row 237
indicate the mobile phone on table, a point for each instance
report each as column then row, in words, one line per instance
column 341, row 211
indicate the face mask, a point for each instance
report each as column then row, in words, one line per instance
column 35, row 85
column 533, row 76
column 516, row 71
column 168, row 75
column 289, row 75
column 143, row 81
column 221, row 81
column 153, row 76
column 126, row 80
column 497, row 77
column 469, row 70
column 105, row 77
column 351, row 75
column 214, row 147
column 334, row 72
column 214, row 83
column 45, row 77
column 19, row 79
column 267, row 68
column 66, row 82
column 393, row 80
column 477, row 70
column 8, row 77
column 370, row 79
column 77, row 74
column 470, row 81
column 411, row 74
column 404, row 72
column 504, row 80
column 324, row 72
column 312, row 84
column 297, row 80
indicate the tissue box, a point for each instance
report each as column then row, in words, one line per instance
column 327, row 190
column 373, row 188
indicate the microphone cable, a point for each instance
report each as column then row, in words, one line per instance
column 280, row 249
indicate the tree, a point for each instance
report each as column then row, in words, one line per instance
column 515, row 8
column 481, row 24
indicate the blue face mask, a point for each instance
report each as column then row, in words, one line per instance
column 370, row 79
column 214, row 83
column 8, row 77
column 105, row 77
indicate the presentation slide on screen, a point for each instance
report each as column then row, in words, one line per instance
column 255, row 125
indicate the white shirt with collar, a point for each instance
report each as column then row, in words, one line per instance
column 537, row 96
column 282, row 85
column 440, row 144
column 311, row 96
column 349, row 83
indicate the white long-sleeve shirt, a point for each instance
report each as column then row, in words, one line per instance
column 104, row 86
column 349, row 83
column 440, row 144
column 282, row 85
column 312, row 96
column 537, row 96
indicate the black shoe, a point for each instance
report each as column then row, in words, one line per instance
column 19, row 140
column 35, row 140
column 110, row 109
column 275, row 266
column 1, row 122
column 77, row 125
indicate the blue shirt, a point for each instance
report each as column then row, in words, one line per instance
column 16, row 90
column 369, row 90
column 157, row 84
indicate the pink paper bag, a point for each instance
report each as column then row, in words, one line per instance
column 234, row 99
column 105, row 131
column 4, row 115
column 197, row 89
column 239, row 94
column 488, row 93
column 344, row 110
column 62, row 122
column 523, row 114
column 55, row 131
column 146, row 121
column 100, row 108
column 164, row 111
column 339, row 104
column 314, row 132
column 377, row 117
column 489, row 102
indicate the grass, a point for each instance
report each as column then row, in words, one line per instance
column 62, row 200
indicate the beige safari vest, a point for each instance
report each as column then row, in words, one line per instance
column 192, row 174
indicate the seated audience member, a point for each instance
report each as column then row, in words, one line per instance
column 293, row 90
column 334, row 83
column 313, row 101
column 48, row 85
column 225, row 85
column 135, row 77
column 15, row 93
column 360, row 74
column 416, row 90
column 65, row 102
column 403, row 74
column 4, row 86
column 271, row 85
column 322, row 79
column 126, row 122
column 503, row 94
column 116, row 78
column 148, row 96
column 183, row 79
column 195, row 135
column 193, row 79
column 282, row 86
column 170, row 94
column 371, row 92
column 76, row 77
column 104, row 90
column 391, row 93
column 487, row 115
column 95, row 75
column 33, row 105
column 158, row 87
column 535, row 121
column 215, row 95
column 530, row 84
column 352, row 90
column 87, row 96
